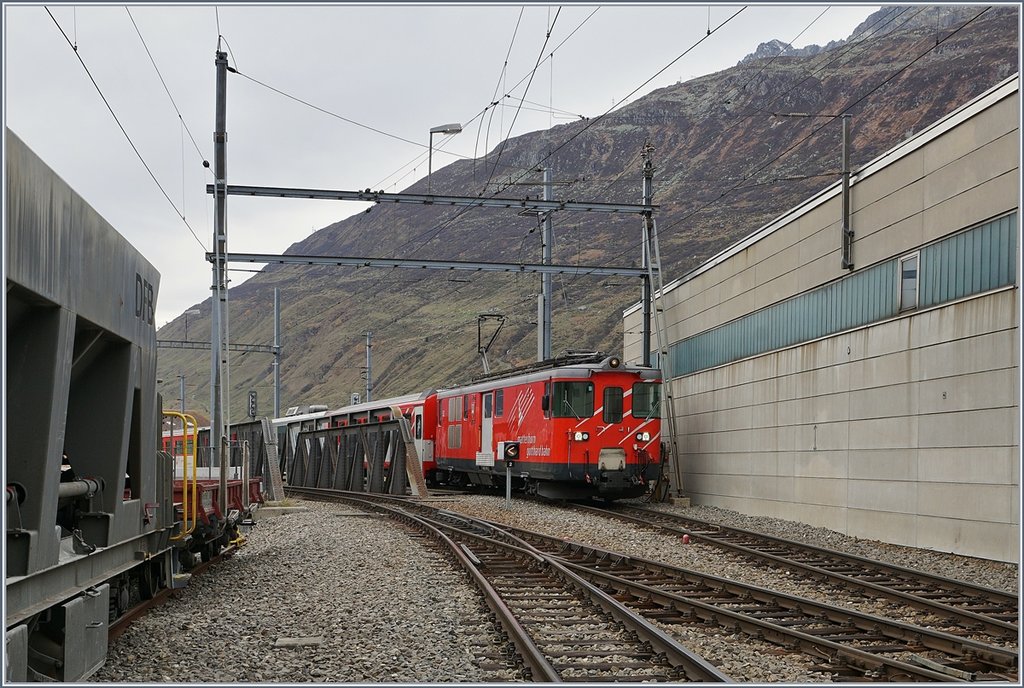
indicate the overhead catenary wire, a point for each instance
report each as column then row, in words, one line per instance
column 422, row 238
column 797, row 143
column 866, row 95
column 121, row 127
column 166, row 89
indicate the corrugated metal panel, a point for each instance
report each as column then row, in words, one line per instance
column 971, row 262
column 968, row 263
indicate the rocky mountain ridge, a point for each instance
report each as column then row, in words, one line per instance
column 725, row 161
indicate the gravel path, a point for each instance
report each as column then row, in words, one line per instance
column 385, row 607
column 380, row 606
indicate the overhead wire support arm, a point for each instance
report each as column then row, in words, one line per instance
column 206, row 346
column 428, row 199
column 421, row 263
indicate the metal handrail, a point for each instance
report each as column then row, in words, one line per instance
column 187, row 421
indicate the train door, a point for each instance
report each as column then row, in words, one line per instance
column 487, row 424
column 417, row 435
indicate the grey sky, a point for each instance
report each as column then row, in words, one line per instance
column 398, row 69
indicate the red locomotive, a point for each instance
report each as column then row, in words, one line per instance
column 571, row 428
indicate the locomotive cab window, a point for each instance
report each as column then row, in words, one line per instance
column 488, row 409
column 499, row 403
column 612, row 405
column 573, row 400
column 646, row 400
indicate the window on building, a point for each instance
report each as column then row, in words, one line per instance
column 612, row 405
column 908, row 282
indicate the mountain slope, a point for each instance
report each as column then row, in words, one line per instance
column 726, row 163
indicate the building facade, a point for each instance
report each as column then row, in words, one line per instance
column 881, row 401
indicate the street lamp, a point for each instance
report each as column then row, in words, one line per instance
column 443, row 129
column 194, row 311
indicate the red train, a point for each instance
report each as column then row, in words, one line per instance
column 571, row 428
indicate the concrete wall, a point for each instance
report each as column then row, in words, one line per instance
column 905, row 431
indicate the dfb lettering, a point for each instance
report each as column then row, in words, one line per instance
column 143, row 299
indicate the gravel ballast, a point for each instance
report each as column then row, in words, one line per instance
column 325, row 595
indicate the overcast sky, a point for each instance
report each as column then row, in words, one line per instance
column 397, row 69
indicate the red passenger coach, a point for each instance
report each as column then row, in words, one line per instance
column 571, row 431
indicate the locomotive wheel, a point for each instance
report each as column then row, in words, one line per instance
column 206, row 552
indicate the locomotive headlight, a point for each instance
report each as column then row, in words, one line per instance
column 581, row 436
column 643, row 437
column 586, row 436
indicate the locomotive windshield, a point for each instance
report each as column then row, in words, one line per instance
column 646, row 399
column 573, row 400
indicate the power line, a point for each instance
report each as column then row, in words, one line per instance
column 121, row 127
column 813, row 132
column 167, row 90
column 536, row 66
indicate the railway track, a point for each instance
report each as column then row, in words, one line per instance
column 563, row 628
column 848, row 645
column 975, row 608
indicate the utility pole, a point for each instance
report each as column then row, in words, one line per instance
column 546, row 242
column 219, row 287
column 181, row 391
column 277, row 352
column 847, row 231
column 369, row 368
column 646, row 261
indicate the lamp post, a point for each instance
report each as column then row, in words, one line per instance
column 194, row 311
column 443, row 129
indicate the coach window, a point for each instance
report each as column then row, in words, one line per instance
column 908, row 282
column 612, row 405
column 499, row 403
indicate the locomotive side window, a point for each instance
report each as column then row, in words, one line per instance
column 488, row 410
column 465, row 407
column 545, row 403
column 646, row 399
column 499, row 403
column 418, row 428
column 454, row 436
column 612, row 405
column 455, row 409
column 573, row 400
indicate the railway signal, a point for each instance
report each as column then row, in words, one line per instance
column 509, row 452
